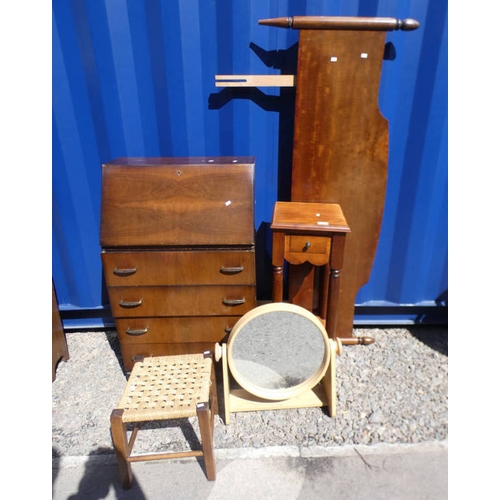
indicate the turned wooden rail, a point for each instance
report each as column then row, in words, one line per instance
column 341, row 23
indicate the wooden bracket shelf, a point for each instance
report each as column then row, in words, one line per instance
column 254, row 80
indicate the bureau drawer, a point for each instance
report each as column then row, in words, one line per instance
column 201, row 267
column 217, row 300
column 174, row 330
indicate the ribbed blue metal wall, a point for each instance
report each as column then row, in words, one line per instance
column 137, row 78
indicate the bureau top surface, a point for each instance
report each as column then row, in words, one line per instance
column 144, row 161
column 177, row 201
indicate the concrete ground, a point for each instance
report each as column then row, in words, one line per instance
column 406, row 472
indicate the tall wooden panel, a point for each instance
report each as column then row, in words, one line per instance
column 340, row 150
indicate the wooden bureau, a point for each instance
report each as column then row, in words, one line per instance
column 178, row 251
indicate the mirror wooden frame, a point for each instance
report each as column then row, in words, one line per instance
column 242, row 395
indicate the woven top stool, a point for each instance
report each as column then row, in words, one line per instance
column 163, row 388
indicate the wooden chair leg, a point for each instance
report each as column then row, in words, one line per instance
column 205, row 420
column 120, row 442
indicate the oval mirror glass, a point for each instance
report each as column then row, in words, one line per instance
column 278, row 350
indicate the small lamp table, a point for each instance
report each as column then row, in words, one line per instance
column 315, row 233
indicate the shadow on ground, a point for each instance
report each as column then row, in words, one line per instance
column 435, row 337
column 99, row 478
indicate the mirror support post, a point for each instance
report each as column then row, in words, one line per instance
column 329, row 380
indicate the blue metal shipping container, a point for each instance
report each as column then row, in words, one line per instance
column 137, row 78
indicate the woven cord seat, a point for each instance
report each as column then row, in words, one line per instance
column 166, row 387
column 163, row 388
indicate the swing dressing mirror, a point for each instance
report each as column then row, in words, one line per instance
column 278, row 351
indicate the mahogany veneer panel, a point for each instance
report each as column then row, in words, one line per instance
column 203, row 300
column 180, row 267
column 340, row 150
column 169, row 201
column 175, row 329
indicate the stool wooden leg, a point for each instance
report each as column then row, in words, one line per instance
column 214, row 401
column 205, row 421
column 119, row 436
column 213, row 396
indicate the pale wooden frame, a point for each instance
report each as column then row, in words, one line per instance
column 319, row 390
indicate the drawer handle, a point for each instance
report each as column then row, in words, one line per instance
column 124, row 272
column 231, row 270
column 228, row 329
column 125, row 303
column 307, row 246
column 131, row 331
column 233, row 302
